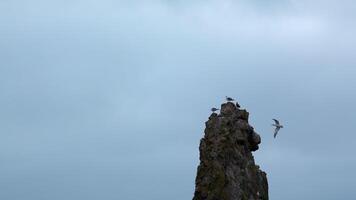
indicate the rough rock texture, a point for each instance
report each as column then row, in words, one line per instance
column 227, row 169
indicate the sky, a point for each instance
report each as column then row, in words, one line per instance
column 108, row 99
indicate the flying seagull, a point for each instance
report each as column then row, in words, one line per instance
column 278, row 126
column 214, row 109
column 229, row 99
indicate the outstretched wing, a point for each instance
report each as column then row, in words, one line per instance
column 276, row 131
column 277, row 122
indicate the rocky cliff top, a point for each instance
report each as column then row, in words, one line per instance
column 227, row 169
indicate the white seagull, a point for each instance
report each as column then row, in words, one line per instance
column 229, row 99
column 278, row 126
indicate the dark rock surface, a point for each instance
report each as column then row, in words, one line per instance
column 227, row 169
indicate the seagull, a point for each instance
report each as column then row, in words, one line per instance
column 214, row 109
column 278, row 126
column 229, row 99
column 237, row 105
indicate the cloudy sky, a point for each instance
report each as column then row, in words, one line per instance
column 107, row 99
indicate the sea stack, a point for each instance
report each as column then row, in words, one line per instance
column 227, row 170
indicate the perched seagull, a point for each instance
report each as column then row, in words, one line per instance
column 229, row 99
column 214, row 109
column 237, row 105
column 278, row 126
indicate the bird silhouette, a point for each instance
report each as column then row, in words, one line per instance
column 214, row 109
column 278, row 126
column 229, row 99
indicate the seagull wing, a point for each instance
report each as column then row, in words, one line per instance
column 276, row 131
column 277, row 122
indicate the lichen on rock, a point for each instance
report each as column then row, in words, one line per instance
column 227, row 169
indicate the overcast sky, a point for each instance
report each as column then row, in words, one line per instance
column 107, row 99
